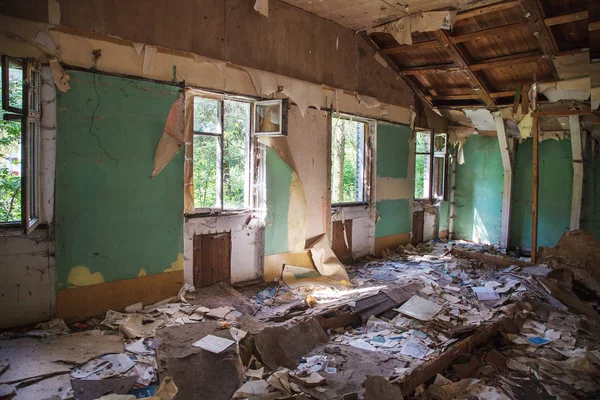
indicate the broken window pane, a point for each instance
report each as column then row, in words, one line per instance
column 422, row 141
column 268, row 117
column 422, row 163
column 207, row 115
column 235, row 155
column 439, row 176
column 347, row 161
column 206, row 172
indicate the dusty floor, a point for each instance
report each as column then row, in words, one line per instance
column 420, row 323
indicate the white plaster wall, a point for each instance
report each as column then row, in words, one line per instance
column 246, row 243
column 429, row 227
column 27, row 283
column 363, row 228
column 307, row 140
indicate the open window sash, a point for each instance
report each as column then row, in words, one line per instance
column 30, row 148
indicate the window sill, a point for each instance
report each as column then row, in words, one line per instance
column 347, row 205
column 215, row 213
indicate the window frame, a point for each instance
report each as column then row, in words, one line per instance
column 30, row 116
column 251, row 172
column 367, row 159
column 432, row 156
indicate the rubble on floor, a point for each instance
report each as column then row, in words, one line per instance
column 419, row 323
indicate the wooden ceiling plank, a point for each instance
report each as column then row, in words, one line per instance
column 467, row 37
column 395, row 67
column 430, row 69
column 566, row 18
column 594, row 26
column 460, row 60
column 486, row 10
column 508, row 93
column 415, row 46
column 506, row 61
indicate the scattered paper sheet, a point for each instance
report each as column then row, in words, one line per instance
column 485, row 293
column 213, row 343
column 419, row 308
column 415, row 349
column 105, row 367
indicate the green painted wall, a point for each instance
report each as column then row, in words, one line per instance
column 444, row 214
column 590, row 220
column 394, row 217
column 478, row 194
column 111, row 217
column 279, row 180
column 393, row 150
column 393, row 147
column 555, row 189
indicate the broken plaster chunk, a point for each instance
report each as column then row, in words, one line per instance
column 61, row 78
column 314, row 379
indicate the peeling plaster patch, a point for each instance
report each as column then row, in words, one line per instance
column 457, row 136
column 54, row 12
column 296, row 215
column 574, row 89
column 172, row 138
column 393, row 189
column 370, row 102
column 595, row 97
column 262, row 6
column 81, row 276
column 61, row 78
column 176, row 265
column 380, row 60
column 482, row 119
column 142, row 272
column 139, row 47
column 149, row 56
column 525, row 126
column 45, row 40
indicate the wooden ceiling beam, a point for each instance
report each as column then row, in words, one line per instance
column 460, row 61
column 467, row 37
column 566, row 18
column 594, row 26
column 536, row 21
column 507, row 61
column 430, row 69
column 508, row 93
column 406, row 79
column 487, row 9
column 415, row 46
column 496, row 95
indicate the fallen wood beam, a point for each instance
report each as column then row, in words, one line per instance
column 460, row 60
column 486, row 10
column 488, row 258
column 566, row 18
column 430, row 69
column 467, row 37
column 506, row 62
column 560, row 113
column 415, row 46
column 436, row 365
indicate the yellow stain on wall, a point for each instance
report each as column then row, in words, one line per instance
column 143, row 272
column 81, row 276
column 177, row 265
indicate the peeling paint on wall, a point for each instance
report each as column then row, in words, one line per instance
column 176, row 265
column 82, row 276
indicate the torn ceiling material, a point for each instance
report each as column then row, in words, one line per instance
column 403, row 28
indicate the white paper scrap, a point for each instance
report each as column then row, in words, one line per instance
column 485, row 293
column 419, row 308
column 415, row 349
column 213, row 343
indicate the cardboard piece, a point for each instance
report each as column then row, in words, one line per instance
column 327, row 263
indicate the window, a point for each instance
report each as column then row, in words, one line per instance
column 349, row 160
column 221, row 148
column 19, row 144
column 270, row 118
column 430, row 182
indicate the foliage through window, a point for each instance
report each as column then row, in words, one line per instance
column 19, row 143
column 348, row 154
column 221, row 154
column 430, row 182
